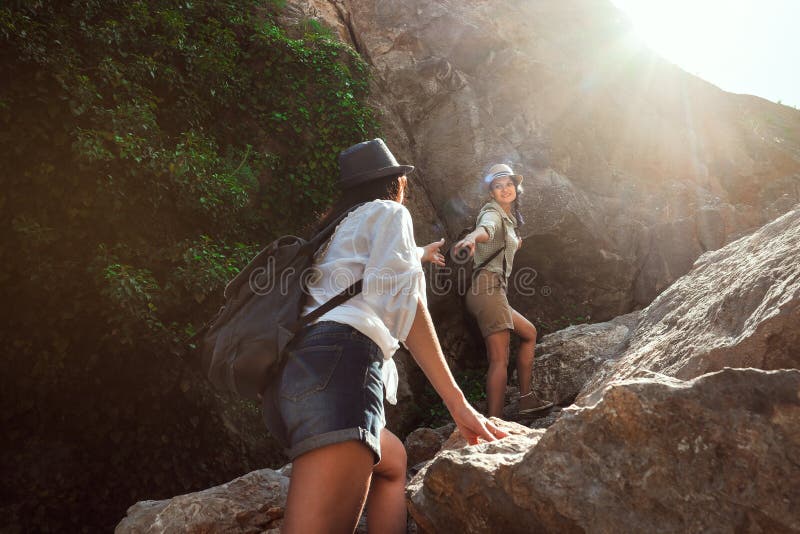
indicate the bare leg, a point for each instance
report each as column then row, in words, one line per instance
column 497, row 377
column 328, row 488
column 386, row 505
column 527, row 333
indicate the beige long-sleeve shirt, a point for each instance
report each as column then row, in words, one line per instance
column 490, row 219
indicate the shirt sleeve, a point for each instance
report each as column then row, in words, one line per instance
column 490, row 220
column 393, row 276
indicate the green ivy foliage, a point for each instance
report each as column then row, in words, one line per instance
column 147, row 150
column 144, row 140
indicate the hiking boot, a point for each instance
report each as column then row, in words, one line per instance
column 530, row 403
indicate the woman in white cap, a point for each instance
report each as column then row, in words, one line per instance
column 493, row 243
column 326, row 406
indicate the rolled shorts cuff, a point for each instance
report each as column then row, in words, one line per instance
column 487, row 331
column 337, row 436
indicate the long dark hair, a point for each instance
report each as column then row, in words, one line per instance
column 387, row 188
column 517, row 205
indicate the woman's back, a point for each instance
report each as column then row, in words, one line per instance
column 375, row 242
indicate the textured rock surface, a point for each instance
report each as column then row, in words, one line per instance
column 249, row 504
column 569, row 359
column 720, row 453
column 432, row 485
column 423, row 443
column 738, row 307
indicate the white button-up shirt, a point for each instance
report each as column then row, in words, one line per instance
column 374, row 242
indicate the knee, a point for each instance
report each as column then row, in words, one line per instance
column 497, row 348
column 498, row 357
column 394, row 460
column 529, row 334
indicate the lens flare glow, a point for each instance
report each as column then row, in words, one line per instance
column 743, row 46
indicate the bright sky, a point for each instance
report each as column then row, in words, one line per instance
column 741, row 46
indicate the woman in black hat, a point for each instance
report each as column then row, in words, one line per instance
column 494, row 243
column 327, row 405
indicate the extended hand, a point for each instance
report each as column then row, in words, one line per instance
column 467, row 244
column 432, row 254
column 473, row 425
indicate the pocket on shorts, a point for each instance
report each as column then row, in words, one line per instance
column 309, row 370
column 486, row 282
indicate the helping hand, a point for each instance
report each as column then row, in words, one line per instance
column 431, row 253
column 465, row 246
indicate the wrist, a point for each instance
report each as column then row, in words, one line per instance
column 454, row 400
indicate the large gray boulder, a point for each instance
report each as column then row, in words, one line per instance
column 252, row 503
column 738, row 307
column 720, row 453
column 569, row 359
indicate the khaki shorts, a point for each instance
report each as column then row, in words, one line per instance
column 487, row 302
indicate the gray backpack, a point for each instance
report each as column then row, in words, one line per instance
column 243, row 346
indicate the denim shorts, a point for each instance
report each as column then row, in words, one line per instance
column 330, row 390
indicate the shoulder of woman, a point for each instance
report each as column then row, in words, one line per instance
column 490, row 210
column 385, row 212
column 387, row 208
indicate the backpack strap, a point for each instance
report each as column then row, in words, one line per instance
column 495, row 253
column 348, row 293
column 326, row 236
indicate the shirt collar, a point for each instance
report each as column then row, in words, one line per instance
column 506, row 216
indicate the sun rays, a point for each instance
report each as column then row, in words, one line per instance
column 742, row 46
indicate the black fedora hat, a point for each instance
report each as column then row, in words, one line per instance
column 367, row 161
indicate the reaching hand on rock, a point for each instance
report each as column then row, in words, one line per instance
column 473, row 425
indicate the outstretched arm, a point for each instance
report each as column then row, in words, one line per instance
column 430, row 253
column 478, row 235
column 424, row 346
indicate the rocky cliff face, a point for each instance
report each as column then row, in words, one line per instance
column 633, row 167
column 738, row 307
